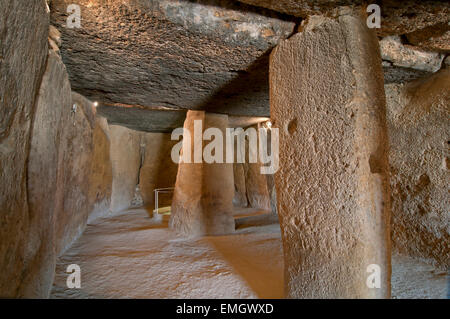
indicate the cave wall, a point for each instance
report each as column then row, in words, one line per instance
column 418, row 114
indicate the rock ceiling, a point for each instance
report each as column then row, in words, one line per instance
column 148, row 61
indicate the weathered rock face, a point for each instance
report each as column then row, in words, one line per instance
column 20, row 77
column 203, row 198
column 126, row 161
column 100, row 184
column 240, row 192
column 327, row 100
column 394, row 51
column 177, row 54
column 434, row 38
column 418, row 114
column 75, row 157
column 404, row 63
column 157, row 170
column 54, row 98
column 398, row 17
column 255, row 182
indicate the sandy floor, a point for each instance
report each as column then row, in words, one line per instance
column 134, row 256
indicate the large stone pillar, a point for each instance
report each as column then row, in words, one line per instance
column 327, row 99
column 203, row 197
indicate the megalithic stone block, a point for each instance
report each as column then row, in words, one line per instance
column 203, row 197
column 327, row 99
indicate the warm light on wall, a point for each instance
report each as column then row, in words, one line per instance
column 95, row 104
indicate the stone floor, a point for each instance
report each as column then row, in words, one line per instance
column 134, row 256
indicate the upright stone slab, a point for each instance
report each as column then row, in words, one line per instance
column 54, row 98
column 255, row 182
column 203, row 197
column 327, row 99
column 74, row 172
column 101, row 179
column 23, row 54
column 158, row 170
column 126, row 161
column 240, row 194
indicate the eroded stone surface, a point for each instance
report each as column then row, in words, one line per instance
column 332, row 185
column 418, row 114
column 394, row 51
column 240, row 193
column 178, row 54
column 157, row 170
column 54, row 98
column 255, row 182
column 435, row 37
column 101, row 179
column 20, row 78
column 398, row 17
column 126, row 161
column 75, row 158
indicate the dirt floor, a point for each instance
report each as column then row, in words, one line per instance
column 133, row 256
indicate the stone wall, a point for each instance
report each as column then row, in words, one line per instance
column 101, row 179
column 20, row 78
column 75, row 158
column 126, row 162
column 158, row 170
column 418, row 115
column 53, row 103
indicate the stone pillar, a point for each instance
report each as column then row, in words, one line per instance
column 327, row 99
column 240, row 195
column 255, row 182
column 203, row 197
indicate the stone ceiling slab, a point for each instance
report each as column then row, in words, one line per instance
column 175, row 54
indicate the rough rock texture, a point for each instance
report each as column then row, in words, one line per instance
column 179, row 54
column 400, row 55
column 397, row 17
column 126, row 161
column 20, row 78
column 255, row 182
column 270, row 178
column 240, row 192
column 435, row 37
column 100, row 184
column 418, row 114
column 327, row 100
column 157, row 170
column 54, row 98
column 404, row 62
column 203, row 198
column 74, row 172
